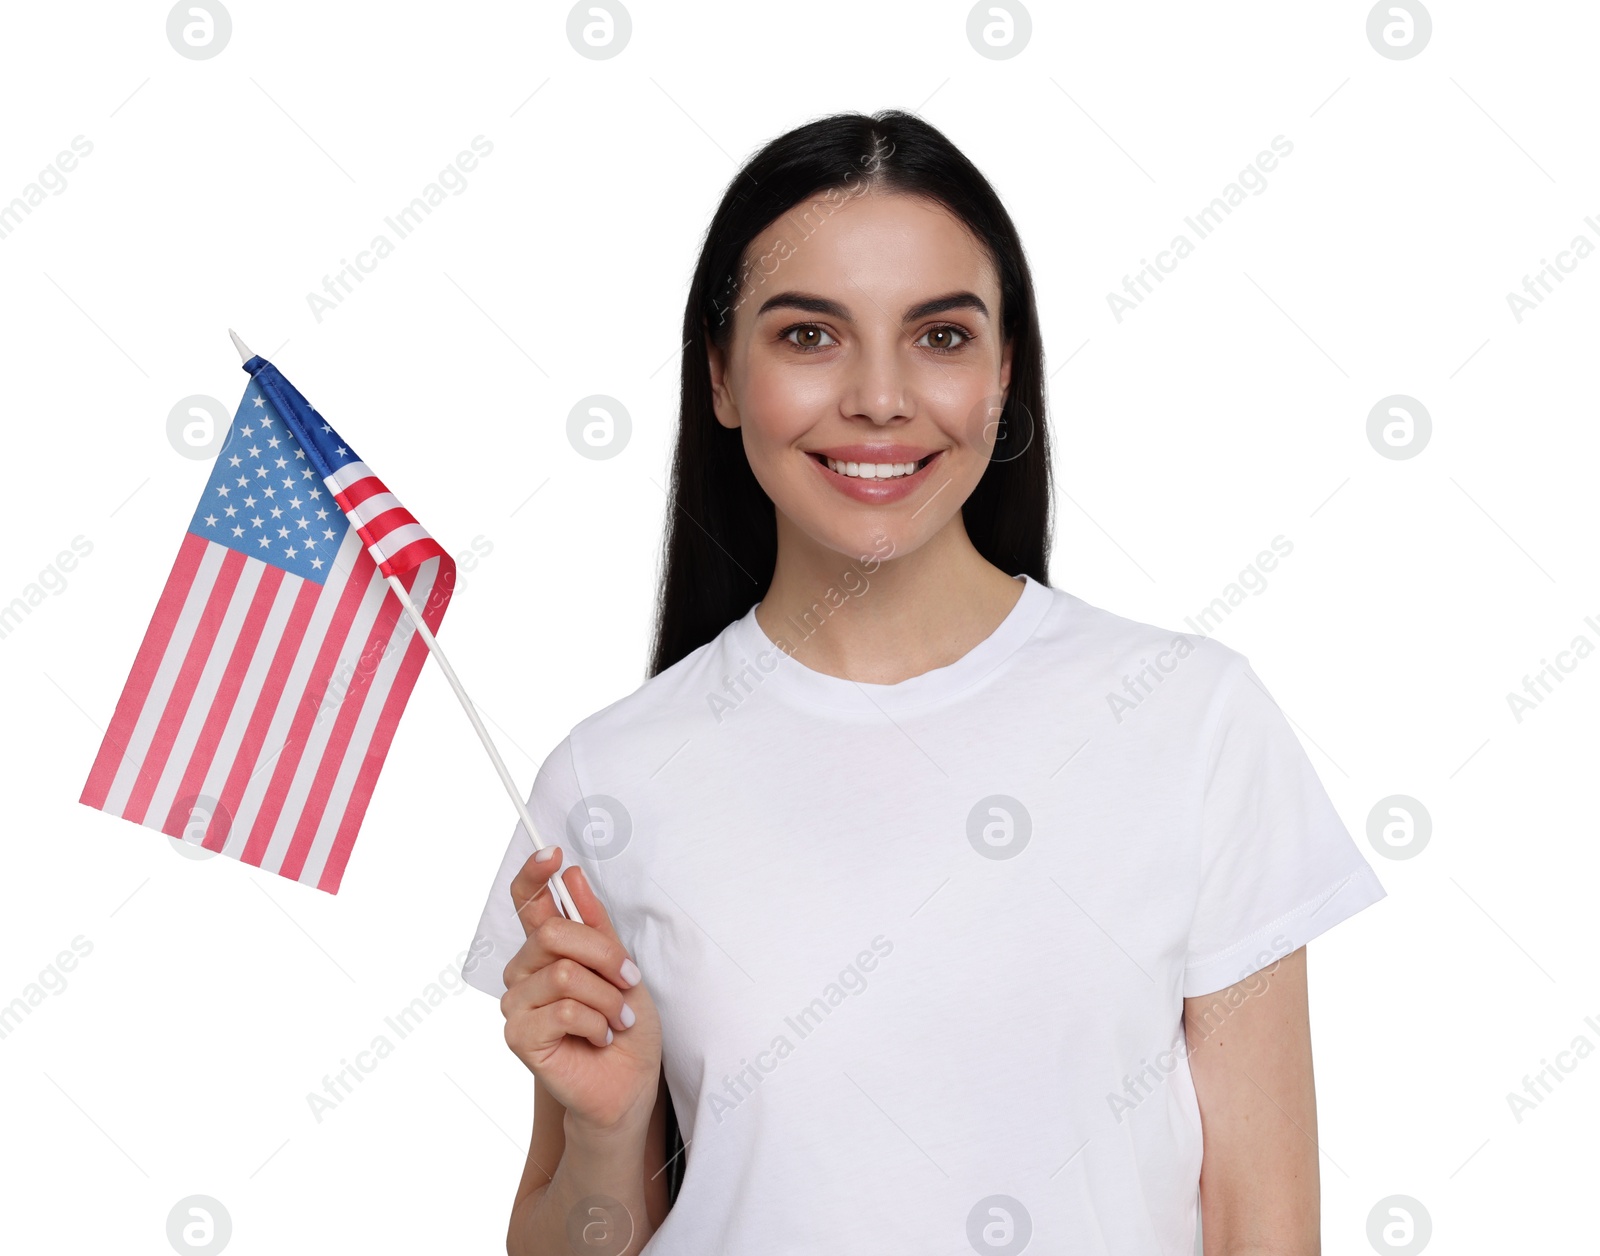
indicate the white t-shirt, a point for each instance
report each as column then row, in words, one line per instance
column 920, row 950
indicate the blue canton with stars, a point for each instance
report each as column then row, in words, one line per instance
column 264, row 498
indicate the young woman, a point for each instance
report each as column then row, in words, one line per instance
column 924, row 904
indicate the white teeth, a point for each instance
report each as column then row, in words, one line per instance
column 872, row 470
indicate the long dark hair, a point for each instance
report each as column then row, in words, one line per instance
column 721, row 542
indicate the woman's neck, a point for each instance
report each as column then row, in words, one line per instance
column 884, row 620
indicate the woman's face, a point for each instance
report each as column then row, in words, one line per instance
column 871, row 344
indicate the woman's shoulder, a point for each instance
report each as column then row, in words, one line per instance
column 1097, row 660
column 662, row 707
column 1100, row 637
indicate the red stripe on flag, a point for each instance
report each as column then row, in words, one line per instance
column 354, row 494
column 309, row 701
column 177, row 706
column 339, row 738
column 361, row 794
column 388, row 721
column 137, row 687
column 205, row 747
column 412, row 556
column 386, row 521
column 261, row 717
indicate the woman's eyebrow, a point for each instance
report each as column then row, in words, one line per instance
column 833, row 309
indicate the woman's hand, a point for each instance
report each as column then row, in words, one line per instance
column 572, row 1015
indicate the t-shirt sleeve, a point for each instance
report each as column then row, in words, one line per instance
column 500, row 933
column 1278, row 866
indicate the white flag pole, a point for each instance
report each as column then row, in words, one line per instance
column 563, row 900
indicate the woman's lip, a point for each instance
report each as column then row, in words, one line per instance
column 876, row 492
column 882, row 453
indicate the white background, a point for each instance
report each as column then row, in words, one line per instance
column 1230, row 408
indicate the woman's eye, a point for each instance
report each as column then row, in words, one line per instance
column 809, row 337
column 945, row 333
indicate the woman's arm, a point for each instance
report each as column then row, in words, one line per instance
column 566, row 1165
column 1250, row 1057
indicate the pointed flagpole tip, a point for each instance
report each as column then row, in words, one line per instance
column 244, row 351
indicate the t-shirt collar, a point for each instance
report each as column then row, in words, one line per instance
column 766, row 666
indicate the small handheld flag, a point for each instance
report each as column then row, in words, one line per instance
column 244, row 725
column 396, row 542
column 273, row 674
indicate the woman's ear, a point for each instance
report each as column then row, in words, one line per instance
column 721, row 399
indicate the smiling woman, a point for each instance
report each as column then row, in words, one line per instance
column 927, row 761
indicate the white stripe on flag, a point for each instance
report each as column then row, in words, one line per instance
column 346, row 475
column 328, row 702
column 363, row 513
column 166, row 674
column 391, row 543
column 205, row 693
column 289, row 700
column 355, row 752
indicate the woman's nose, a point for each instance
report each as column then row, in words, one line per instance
column 878, row 388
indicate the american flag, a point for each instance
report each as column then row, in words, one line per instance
column 269, row 683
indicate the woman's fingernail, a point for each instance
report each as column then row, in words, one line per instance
column 608, row 1037
column 544, row 855
column 630, row 972
column 627, row 1017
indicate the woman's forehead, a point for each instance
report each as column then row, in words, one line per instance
column 876, row 247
